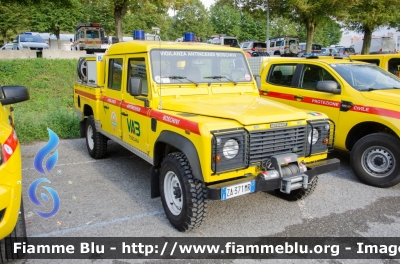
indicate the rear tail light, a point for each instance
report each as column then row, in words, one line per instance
column 380, row 50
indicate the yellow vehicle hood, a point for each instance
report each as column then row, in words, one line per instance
column 386, row 96
column 247, row 110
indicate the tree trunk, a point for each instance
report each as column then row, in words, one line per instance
column 367, row 41
column 310, row 35
column 119, row 12
column 58, row 38
column 4, row 35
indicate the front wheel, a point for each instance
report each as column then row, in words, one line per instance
column 96, row 142
column 184, row 198
column 17, row 235
column 299, row 194
column 375, row 160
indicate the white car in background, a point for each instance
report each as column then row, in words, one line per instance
column 29, row 41
column 8, row 46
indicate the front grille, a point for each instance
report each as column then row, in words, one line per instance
column 266, row 143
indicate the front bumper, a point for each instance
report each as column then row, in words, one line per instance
column 262, row 185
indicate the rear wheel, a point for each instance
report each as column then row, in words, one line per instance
column 299, row 194
column 375, row 160
column 184, row 198
column 17, row 235
column 96, row 142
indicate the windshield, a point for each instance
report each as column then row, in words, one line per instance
column 31, row 38
column 186, row 66
column 367, row 77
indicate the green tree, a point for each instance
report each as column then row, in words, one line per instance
column 54, row 18
column 10, row 18
column 193, row 17
column 310, row 13
column 98, row 12
column 225, row 20
column 368, row 15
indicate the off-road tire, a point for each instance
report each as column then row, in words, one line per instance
column 96, row 142
column 299, row 194
column 193, row 193
column 17, row 235
column 367, row 155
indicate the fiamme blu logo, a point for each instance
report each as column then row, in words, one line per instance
column 47, row 155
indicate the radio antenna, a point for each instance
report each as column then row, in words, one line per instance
column 157, row 31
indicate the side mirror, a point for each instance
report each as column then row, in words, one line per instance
column 328, row 87
column 13, row 94
column 70, row 40
column 135, row 86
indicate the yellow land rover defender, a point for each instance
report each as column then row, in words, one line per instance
column 362, row 99
column 12, row 222
column 193, row 112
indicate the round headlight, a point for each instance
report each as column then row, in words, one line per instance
column 231, row 149
column 315, row 136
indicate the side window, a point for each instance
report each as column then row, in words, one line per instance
column 137, row 68
column 82, row 34
column 281, row 74
column 115, row 74
column 272, row 44
column 394, row 66
column 376, row 62
column 310, row 75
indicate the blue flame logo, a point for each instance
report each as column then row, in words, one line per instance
column 43, row 152
column 34, row 199
column 50, row 163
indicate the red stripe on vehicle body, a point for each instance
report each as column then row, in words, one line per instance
column 376, row 111
column 135, row 108
column 110, row 100
column 87, row 95
column 176, row 121
column 336, row 104
column 10, row 145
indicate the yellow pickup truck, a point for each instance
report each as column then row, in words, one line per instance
column 194, row 113
column 362, row 99
column 12, row 222
column 388, row 61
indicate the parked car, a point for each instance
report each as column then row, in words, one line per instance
column 284, row 46
column 252, row 46
column 315, row 48
column 29, row 41
column 329, row 52
column 8, row 46
column 343, row 51
column 226, row 41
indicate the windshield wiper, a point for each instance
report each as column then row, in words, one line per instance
column 375, row 89
column 174, row 77
column 220, row 77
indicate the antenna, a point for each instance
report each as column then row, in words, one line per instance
column 157, row 31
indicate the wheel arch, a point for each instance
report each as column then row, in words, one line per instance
column 87, row 111
column 168, row 142
column 363, row 129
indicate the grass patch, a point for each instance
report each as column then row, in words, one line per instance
column 50, row 85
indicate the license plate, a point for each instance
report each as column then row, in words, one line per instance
column 105, row 46
column 238, row 189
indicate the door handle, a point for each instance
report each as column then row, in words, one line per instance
column 124, row 114
column 299, row 97
column 105, row 106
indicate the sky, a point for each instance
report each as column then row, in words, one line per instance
column 207, row 3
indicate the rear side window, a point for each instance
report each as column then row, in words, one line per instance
column 260, row 45
column 281, row 74
column 394, row 66
column 115, row 74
